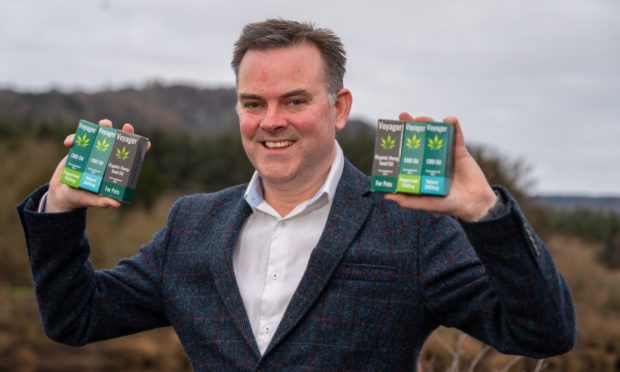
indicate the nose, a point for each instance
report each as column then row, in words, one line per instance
column 273, row 120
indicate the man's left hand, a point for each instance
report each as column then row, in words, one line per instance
column 470, row 196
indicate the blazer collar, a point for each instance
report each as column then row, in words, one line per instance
column 221, row 266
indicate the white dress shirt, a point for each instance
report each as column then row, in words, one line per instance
column 272, row 252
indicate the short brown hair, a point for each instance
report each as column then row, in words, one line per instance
column 281, row 33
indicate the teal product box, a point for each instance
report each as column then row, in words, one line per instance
column 386, row 160
column 79, row 153
column 98, row 159
column 123, row 167
column 438, row 155
column 412, row 158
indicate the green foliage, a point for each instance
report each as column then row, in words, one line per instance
column 592, row 226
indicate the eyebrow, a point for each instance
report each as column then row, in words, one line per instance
column 292, row 93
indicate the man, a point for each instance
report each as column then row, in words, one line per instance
column 304, row 268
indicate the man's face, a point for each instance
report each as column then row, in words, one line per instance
column 287, row 121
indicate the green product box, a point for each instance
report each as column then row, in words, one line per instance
column 98, row 159
column 79, row 153
column 123, row 168
column 412, row 158
column 386, row 161
column 438, row 154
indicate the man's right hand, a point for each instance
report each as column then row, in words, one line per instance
column 62, row 198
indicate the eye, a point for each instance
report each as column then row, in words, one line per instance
column 296, row 102
column 251, row 105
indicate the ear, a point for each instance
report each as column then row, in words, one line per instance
column 343, row 103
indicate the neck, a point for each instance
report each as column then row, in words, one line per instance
column 285, row 197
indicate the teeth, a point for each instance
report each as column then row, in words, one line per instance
column 278, row 144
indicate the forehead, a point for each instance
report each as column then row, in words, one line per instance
column 298, row 64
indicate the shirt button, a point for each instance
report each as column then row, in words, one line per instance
column 275, row 275
column 282, row 223
column 267, row 329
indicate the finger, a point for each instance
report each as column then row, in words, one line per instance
column 423, row 119
column 404, row 116
column 105, row 123
column 459, row 138
column 87, row 199
column 148, row 147
column 58, row 171
column 127, row 128
column 426, row 203
column 68, row 142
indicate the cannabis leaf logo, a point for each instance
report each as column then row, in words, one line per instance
column 122, row 154
column 82, row 141
column 102, row 145
column 435, row 143
column 388, row 143
column 413, row 143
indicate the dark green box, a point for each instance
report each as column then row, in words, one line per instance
column 124, row 164
column 386, row 160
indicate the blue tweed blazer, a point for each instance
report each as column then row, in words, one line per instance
column 379, row 281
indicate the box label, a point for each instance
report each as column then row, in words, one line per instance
column 412, row 158
column 437, row 168
column 123, row 167
column 79, row 153
column 386, row 161
column 98, row 159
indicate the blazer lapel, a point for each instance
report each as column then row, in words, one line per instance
column 221, row 266
column 349, row 210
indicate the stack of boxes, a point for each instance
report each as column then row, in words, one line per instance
column 413, row 157
column 105, row 160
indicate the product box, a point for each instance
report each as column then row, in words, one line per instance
column 413, row 157
column 386, row 161
column 438, row 154
column 79, row 153
column 123, row 168
column 98, row 159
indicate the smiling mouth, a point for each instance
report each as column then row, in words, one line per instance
column 278, row 144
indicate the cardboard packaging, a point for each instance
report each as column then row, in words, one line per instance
column 98, row 159
column 386, row 160
column 79, row 153
column 123, row 168
column 413, row 157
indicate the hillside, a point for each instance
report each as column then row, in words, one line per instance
column 574, row 202
column 176, row 107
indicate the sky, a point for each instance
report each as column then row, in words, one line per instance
column 536, row 80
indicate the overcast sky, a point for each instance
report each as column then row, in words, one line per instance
column 538, row 80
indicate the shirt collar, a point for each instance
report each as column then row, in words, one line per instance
column 254, row 192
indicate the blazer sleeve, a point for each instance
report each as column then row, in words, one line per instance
column 506, row 291
column 78, row 304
